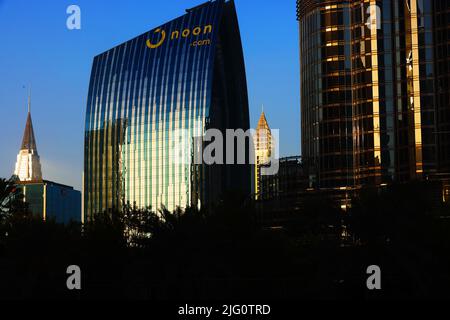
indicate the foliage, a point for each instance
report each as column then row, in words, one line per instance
column 227, row 252
column 11, row 199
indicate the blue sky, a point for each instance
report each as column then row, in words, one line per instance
column 36, row 48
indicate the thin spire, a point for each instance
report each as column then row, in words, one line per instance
column 29, row 141
column 29, row 100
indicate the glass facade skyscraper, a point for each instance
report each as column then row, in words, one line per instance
column 150, row 98
column 375, row 88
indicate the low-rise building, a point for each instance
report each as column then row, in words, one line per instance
column 52, row 201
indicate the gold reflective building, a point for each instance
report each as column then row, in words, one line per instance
column 375, row 91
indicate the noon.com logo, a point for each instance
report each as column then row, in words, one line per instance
column 186, row 33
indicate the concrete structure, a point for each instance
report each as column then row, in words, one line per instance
column 52, row 201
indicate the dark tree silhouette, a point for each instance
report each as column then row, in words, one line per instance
column 11, row 199
column 195, row 254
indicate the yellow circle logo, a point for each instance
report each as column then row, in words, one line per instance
column 163, row 37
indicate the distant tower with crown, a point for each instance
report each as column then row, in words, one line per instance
column 28, row 165
column 263, row 150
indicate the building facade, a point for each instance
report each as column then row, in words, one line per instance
column 52, row 201
column 28, row 165
column 290, row 181
column 45, row 199
column 446, row 192
column 375, row 88
column 150, row 98
column 282, row 195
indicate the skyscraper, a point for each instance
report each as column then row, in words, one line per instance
column 263, row 150
column 375, row 100
column 150, row 98
column 28, row 165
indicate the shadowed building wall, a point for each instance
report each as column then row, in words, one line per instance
column 263, row 151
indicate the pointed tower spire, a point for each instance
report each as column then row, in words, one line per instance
column 262, row 123
column 263, row 150
column 28, row 140
column 28, row 165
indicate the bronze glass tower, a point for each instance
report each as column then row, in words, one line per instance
column 375, row 90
